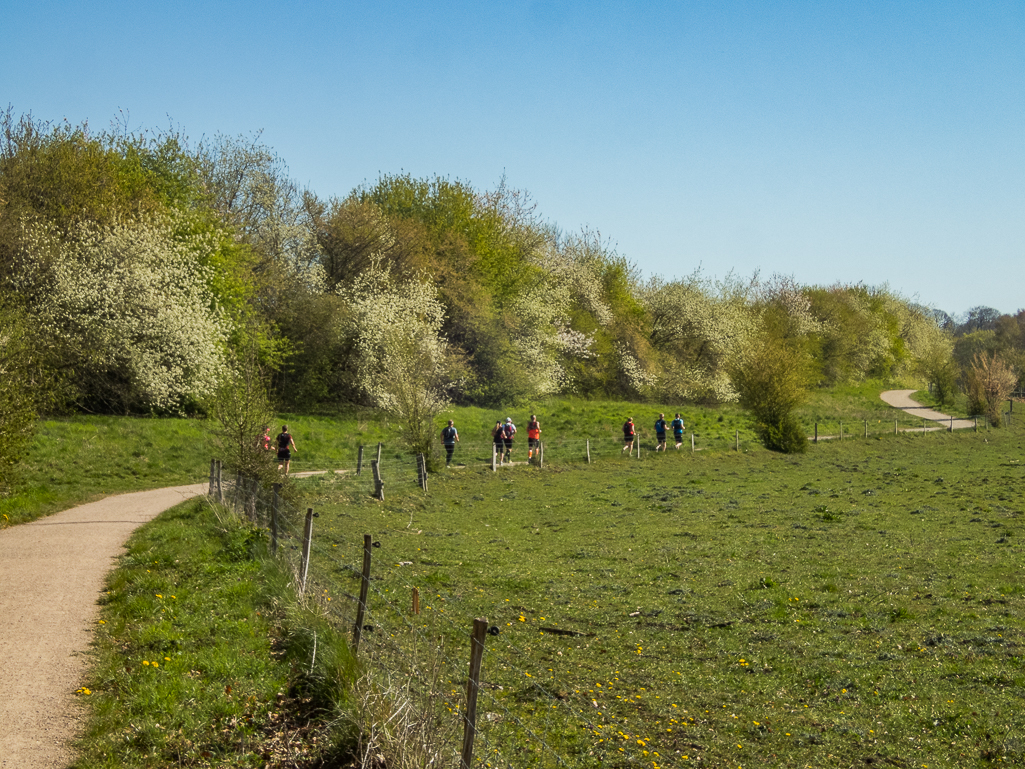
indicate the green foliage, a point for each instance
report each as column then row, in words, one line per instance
column 772, row 382
column 24, row 388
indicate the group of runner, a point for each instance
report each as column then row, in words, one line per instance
column 504, row 433
column 661, row 428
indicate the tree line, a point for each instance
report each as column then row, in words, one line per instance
column 141, row 272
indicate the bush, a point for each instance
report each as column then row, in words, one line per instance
column 772, row 381
column 988, row 383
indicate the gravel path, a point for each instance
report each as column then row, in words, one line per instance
column 51, row 574
column 901, row 399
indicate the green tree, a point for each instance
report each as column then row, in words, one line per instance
column 771, row 380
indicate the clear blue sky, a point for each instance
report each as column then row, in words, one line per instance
column 876, row 142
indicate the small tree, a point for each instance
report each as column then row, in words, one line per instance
column 242, row 410
column 771, row 380
column 988, row 383
column 936, row 364
column 402, row 358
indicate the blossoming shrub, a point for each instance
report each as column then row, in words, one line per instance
column 129, row 309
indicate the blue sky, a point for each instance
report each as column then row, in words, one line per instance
column 875, row 142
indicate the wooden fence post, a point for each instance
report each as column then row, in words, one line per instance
column 379, row 447
column 692, row 443
column 213, row 472
column 494, row 457
column 816, row 432
column 359, row 461
column 841, row 432
column 976, row 423
column 738, row 440
column 866, row 428
column 220, row 487
column 275, row 501
column 236, row 497
column 480, row 629
column 951, row 424
column 540, row 456
column 364, row 589
column 375, row 466
column 416, row 600
column 895, row 426
column 307, row 543
column 588, row 451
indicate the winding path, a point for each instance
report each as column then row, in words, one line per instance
column 51, row 575
column 901, row 399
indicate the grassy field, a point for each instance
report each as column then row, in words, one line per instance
column 76, row 459
column 858, row 605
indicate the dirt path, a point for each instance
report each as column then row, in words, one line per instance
column 51, row 574
column 901, row 399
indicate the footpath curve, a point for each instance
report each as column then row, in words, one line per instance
column 901, row 399
column 51, row 575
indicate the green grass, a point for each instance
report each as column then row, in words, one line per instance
column 78, row 459
column 197, row 651
column 859, row 605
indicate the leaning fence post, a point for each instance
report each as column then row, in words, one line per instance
column 378, row 483
column 307, row 542
column 275, row 500
column 480, row 629
column 379, row 447
column 359, row 461
column 220, row 487
column 364, row 589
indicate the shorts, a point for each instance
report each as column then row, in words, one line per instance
column 678, row 437
column 508, row 443
column 284, row 455
column 660, row 437
column 628, row 439
column 533, row 442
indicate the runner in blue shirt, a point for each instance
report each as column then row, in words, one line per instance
column 449, row 437
column 660, row 432
column 678, row 427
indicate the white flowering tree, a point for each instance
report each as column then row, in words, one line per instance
column 129, row 309
column 402, row 360
column 700, row 330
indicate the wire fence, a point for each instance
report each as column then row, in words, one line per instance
column 418, row 695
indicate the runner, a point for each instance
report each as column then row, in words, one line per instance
column 533, row 436
column 660, row 432
column 285, row 442
column 508, row 431
column 678, row 426
column 449, row 437
column 496, row 435
column 628, row 435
